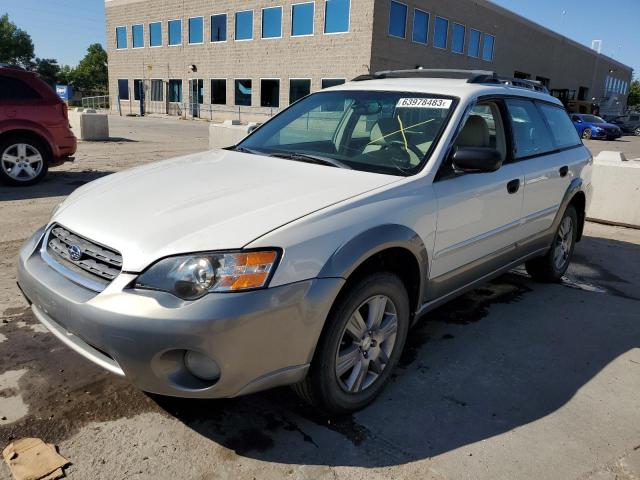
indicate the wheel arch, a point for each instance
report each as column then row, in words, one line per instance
column 29, row 133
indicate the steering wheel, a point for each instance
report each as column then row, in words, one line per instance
column 415, row 155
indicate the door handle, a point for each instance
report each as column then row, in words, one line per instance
column 563, row 171
column 513, row 186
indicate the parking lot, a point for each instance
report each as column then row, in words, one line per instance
column 513, row 380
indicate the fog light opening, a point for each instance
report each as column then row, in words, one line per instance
column 201, row 366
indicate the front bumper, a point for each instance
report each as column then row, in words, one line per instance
column 259, row 339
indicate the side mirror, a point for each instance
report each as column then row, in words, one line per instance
column 476, row 159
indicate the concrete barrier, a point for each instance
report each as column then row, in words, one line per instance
column 616, row 190
column 222, row 135
column 89, row 125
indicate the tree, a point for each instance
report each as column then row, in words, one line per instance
column 48, row 69
column 91, row 73
column 16, row 46
column 634, row 95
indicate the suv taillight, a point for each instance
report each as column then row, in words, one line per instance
column 65, row 111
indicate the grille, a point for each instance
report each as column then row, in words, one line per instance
column 92, row 261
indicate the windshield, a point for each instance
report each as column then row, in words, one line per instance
column 592, row 119
column 384, row 132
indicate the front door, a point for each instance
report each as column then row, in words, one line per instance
column 478, row 213
column 196, row 96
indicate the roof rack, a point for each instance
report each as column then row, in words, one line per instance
column 472, row 76
column 13, row 67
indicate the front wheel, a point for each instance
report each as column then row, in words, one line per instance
column 636, row 132
column 554, row 264
column 23, row 161
column 587, row 134
column 360, row 346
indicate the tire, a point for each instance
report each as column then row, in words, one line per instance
column 587, row 134
column 348, row 389
column 636, row 132
column 552, row 267
column 24, row 161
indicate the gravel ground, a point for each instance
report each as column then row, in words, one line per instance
column 513, row 380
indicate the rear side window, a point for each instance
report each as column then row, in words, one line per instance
column 14, row 89
column 530, row 133
column 563, row 131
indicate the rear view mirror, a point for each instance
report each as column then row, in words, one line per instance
column 476, row 159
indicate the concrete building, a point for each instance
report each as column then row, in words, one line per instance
column 252, row 57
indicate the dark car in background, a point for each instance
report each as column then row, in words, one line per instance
column 592, row 126
column 34, row 127
column 629, row 123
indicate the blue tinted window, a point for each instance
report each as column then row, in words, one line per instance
column 244, row 25
column 420, row 26
column 331, row 82
column 155, row 34
column 219, row 28
column 123, row 89
column 196, row 30
column 243, row 93
column 487, row 48
column 474, row 43
column 302, row 19
column 398, row 20
column 457, row 45
column 137, row 36
column 441, row 32
column 121, row 37
column 175, row 32
column 336, row 16
column 175, row 91
column 272, row 22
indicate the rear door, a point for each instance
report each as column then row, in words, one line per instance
column 545, row 142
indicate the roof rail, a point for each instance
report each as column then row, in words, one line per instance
column 472, row 76
column 13, row 67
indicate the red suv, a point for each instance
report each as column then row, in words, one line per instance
column 34, row 127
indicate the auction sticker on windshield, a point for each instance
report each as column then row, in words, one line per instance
column 424, row 103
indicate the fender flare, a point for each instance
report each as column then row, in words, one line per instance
column 6, row 128
column 576, row 186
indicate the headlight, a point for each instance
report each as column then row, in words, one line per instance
column 193, row 276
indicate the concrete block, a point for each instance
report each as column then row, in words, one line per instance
column 89, row 126
column 222, row 135
column 616, row 191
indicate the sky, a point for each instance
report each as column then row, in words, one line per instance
column 63, row 29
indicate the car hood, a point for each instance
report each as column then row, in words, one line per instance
column 214, row 200
column 604, row 125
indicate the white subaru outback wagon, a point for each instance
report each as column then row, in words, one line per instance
column 302, row 255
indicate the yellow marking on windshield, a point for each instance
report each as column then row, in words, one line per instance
column 399, row 131
column 404, row 137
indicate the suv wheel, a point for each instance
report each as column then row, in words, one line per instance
column 360, row 346
column 23, row 161
column 554, row 264
column 637, row 132
column 587, row 133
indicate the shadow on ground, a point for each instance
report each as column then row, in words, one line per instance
column 55, row 184
column 497, row 358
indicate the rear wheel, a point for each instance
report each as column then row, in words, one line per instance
column 554, row 264
column 587, row 133
column 23, row 161
column 360, row 346
column 636, row 132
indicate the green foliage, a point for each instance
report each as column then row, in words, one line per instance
column 634, row 95
column 48, row 69
column 16, row 46
column 91, row 73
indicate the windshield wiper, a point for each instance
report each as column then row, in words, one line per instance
column 303, row 157
column 246, row 150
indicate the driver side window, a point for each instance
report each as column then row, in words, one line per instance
column 484, row 128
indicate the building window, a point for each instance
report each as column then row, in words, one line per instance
column 243, row 93
column 474, row 43
column 420, row 26
column 123, row 89
column 331, row 82
column 398, row 19
column 175, row 32
column 270, row 93
column 218, row 92
column 155, row 34
column 137, row 36
column 157, row 91
column 487, row 47
column 441, row 33
column 244, row 25
column 219, row 28
column 175, row 91
column 299, row 88
column 302, row 19
column 272, row 22
column 196, row 30
column 336, row 16
column 521, row 75
column 137, row 90
column 121, row 37
column 457, row 44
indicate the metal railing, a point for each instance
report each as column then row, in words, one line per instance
column 99, row 102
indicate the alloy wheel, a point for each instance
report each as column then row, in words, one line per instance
column 563, row 244
column 21, row 162
column 587, row 134
column 367, row 343
column 637, row 132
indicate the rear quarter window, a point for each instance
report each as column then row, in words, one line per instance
column 564, row 133
column 530, row 133
column 15, row 89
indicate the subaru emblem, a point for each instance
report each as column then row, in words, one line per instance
column 75, row 252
